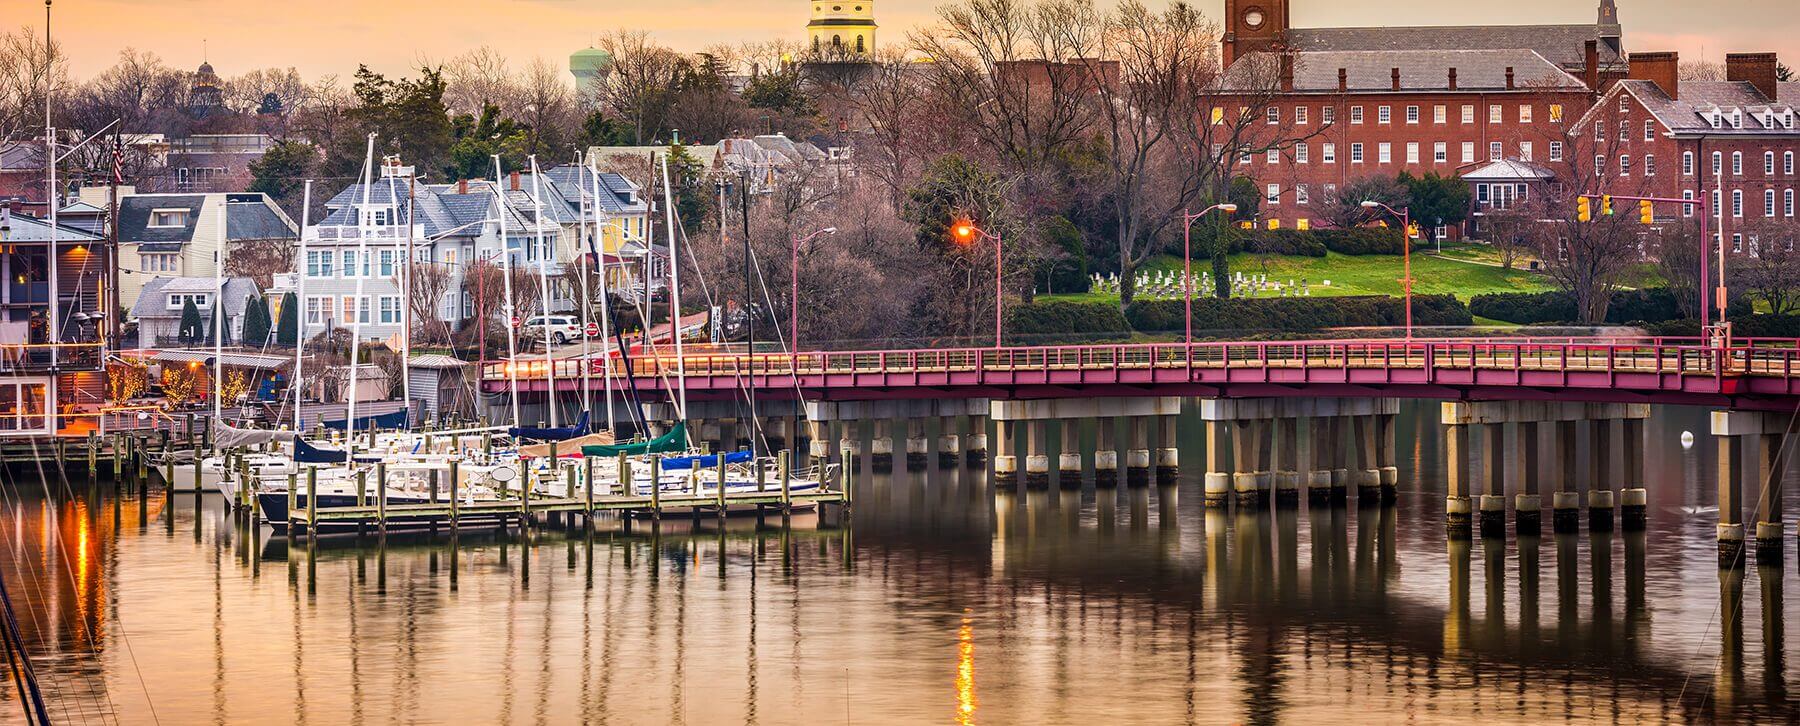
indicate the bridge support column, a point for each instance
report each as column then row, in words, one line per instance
column 1493, row 480
column 1731, row 524
column 975, row 449
column 742, row 432
column 1315, row 467
column 917, row 447
column 1106, row 453
column 1286, row 462
column 1768, row 500
column 1168, row 455
column 1600, row 474
column 851, row 445
column 949, row 443
column 1565, row 504
column 1366, row 476
column 1527, row 504
column 819, row 448
column 1006, row 463
column 1633, row 499
column 1385, row 458
column 881, row 447
column 1037, row 457
column 1247, row 478
column 1456, row 499
column 1137, row 458
column 1218, row 482
column 1337, row 460
column 710, row 432
column 1068, row 455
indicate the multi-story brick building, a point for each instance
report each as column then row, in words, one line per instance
column 1360, row 102
column 1733, row 142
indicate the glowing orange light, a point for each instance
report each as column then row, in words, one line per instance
column 193, row 364
column 963, row 231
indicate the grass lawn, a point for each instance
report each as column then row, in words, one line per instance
column 1363, row 275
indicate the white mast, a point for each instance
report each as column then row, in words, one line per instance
column 406, row 263
column 581, row 252
column 537, row 225
column 512, row 352
column 300, row 301
column 50, row 167
column 218, row 328
column 674, row 290
column 362, row 258
column 605, row 313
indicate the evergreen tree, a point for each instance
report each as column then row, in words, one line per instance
column 287, row 331
column 256, row 321
column 281, row 172
column 192, row 329
column 1436, row 200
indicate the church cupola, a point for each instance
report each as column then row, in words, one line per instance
column 842, row 28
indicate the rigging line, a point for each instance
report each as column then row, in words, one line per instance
column 63, row 555
column 1776, row 467
column 781, row 336
column 41, row 611
column 13, row 636
column 12, row 664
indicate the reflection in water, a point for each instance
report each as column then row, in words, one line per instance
column 1134, row 604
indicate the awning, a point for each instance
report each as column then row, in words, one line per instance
column 258, row 361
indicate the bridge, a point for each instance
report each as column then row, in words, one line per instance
column 1749, row 374
column 1551, row 396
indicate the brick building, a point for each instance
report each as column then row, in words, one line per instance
column 1733, row 140
column 1361, row 102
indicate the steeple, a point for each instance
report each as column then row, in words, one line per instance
column 842, row 28
column 1607, row 27
column 1609, row 14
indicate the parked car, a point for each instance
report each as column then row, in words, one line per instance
column 563, row 328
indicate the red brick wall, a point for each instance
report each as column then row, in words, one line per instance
column 1510, row 131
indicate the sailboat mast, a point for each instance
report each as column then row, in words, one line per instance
column 605, row 302
column 512, row 345
column 543, row 264
column 674, row 290
column 300, row 301
column 581, row 252
column 218, row 328
column 362, row 252
column 406, row 263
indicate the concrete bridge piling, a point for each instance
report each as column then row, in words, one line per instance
column 1749, row 458
column 1068, row 456
column 1106, row 453
column 949, row 442
column 1564, row 418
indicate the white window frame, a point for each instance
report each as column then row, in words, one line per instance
column 1300, row 115
column 1384, row 152
column 1302, row 154
column 1384, row 115
column 1273, row 195
column 1440, row 114
column 1468, row 152
column 1356, row 152
column 1356, row 115
column 1328, row 153
column 1524, row 113
column 1440, row 152
column 1556, row 151
column 180, row 215
column 1412, row 152
column 1412, row 114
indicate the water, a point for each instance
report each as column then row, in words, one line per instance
column 942, row 602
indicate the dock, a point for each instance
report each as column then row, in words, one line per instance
column 449, row 512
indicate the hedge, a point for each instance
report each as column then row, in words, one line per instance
column 1314, row 242
column 1743, row 326
column 1279, row 242
column 1361, row 241
column 1296, row 314
column 1646, row 305
column 1054, row 321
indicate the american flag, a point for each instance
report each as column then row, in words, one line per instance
column 118, row 156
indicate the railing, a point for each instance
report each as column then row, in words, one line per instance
column 1688, row 356
column 36, row 357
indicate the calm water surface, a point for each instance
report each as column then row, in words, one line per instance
column 941, row 602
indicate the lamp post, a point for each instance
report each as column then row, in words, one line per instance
column 1187, row 260
column 965, row 232
column 794, row 285
column 1406, row 281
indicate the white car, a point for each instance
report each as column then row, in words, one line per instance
column 563, row 328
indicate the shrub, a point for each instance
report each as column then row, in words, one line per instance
column 1745, row 326
column 1296, row 314
column 1054, row 321
column 1645, row 305
column 1361, row 240
column 1279, row 242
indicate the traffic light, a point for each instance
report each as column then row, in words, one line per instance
column 1646, row 212
column 962, row 231
column 1412, row 230
column 1606, row 205
column 1584, row 210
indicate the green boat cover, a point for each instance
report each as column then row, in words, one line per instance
column 673, row 441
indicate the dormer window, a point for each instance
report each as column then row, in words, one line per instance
column 1737, row 118
column 179, row 301
column 168, row 218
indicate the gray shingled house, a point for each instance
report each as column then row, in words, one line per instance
column 158, row 307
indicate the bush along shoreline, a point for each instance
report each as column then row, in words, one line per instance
column 1061, row 321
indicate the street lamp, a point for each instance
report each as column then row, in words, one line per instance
column 966, row 233
column 1187, row 259
column 1404, row 213
column 794, row 284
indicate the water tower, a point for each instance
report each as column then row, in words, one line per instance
column 590, row 68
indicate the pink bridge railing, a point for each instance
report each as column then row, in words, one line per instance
column 1684, row 356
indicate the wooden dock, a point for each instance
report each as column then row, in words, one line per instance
column 449, row 512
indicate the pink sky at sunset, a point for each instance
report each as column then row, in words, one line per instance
column 331, row 36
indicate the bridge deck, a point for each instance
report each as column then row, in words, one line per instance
column 1749, row 374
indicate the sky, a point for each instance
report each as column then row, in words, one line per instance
column 321, row 37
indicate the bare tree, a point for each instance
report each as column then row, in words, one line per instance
column 643, row 82
column 1589, row 260
column 480, row 77
column 1771, row 270
column 261, row 260
column 27, row 67
column 427, row 283
column 1702, row 70
column 549, row 107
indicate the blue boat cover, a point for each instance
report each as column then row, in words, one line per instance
column 679, row 463
column 306, row 453
column 563, row 433
column 393, row 420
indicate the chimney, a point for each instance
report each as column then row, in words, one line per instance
column 1287, row 73
column 514, row 178
column 1509, row 78
column 1590, row 65
column 462, row 186
column 1343, row 80
column 1452, row 79
column 1757, row 69
column 1661, row 68
column 1396, row 79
